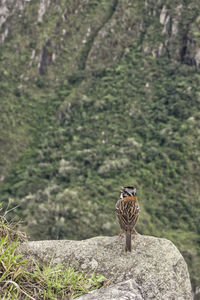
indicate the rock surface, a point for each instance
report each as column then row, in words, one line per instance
column 127, row 290
column 155, row 267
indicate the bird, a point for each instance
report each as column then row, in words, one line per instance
column 127, row 212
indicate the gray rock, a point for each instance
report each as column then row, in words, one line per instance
column 127, row 290
column 155, row 265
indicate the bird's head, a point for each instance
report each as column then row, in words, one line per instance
column 128, row 191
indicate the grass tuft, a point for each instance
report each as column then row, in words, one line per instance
column 21, row 278
column 10, row 230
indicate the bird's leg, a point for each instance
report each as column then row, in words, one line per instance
column 135, row 232
column 121, row 234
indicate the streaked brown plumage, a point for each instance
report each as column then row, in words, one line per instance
column 127, row 212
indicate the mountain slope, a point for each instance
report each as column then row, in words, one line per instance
column 96, row 95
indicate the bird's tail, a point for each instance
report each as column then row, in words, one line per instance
column 128, row 241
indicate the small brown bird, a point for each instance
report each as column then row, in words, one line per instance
column 127, row 212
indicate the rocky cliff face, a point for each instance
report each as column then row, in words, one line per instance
column 175, row 27
column 58, row 39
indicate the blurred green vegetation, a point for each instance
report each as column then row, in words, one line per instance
column 118, row 105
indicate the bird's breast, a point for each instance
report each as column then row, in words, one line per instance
column 130, row 198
